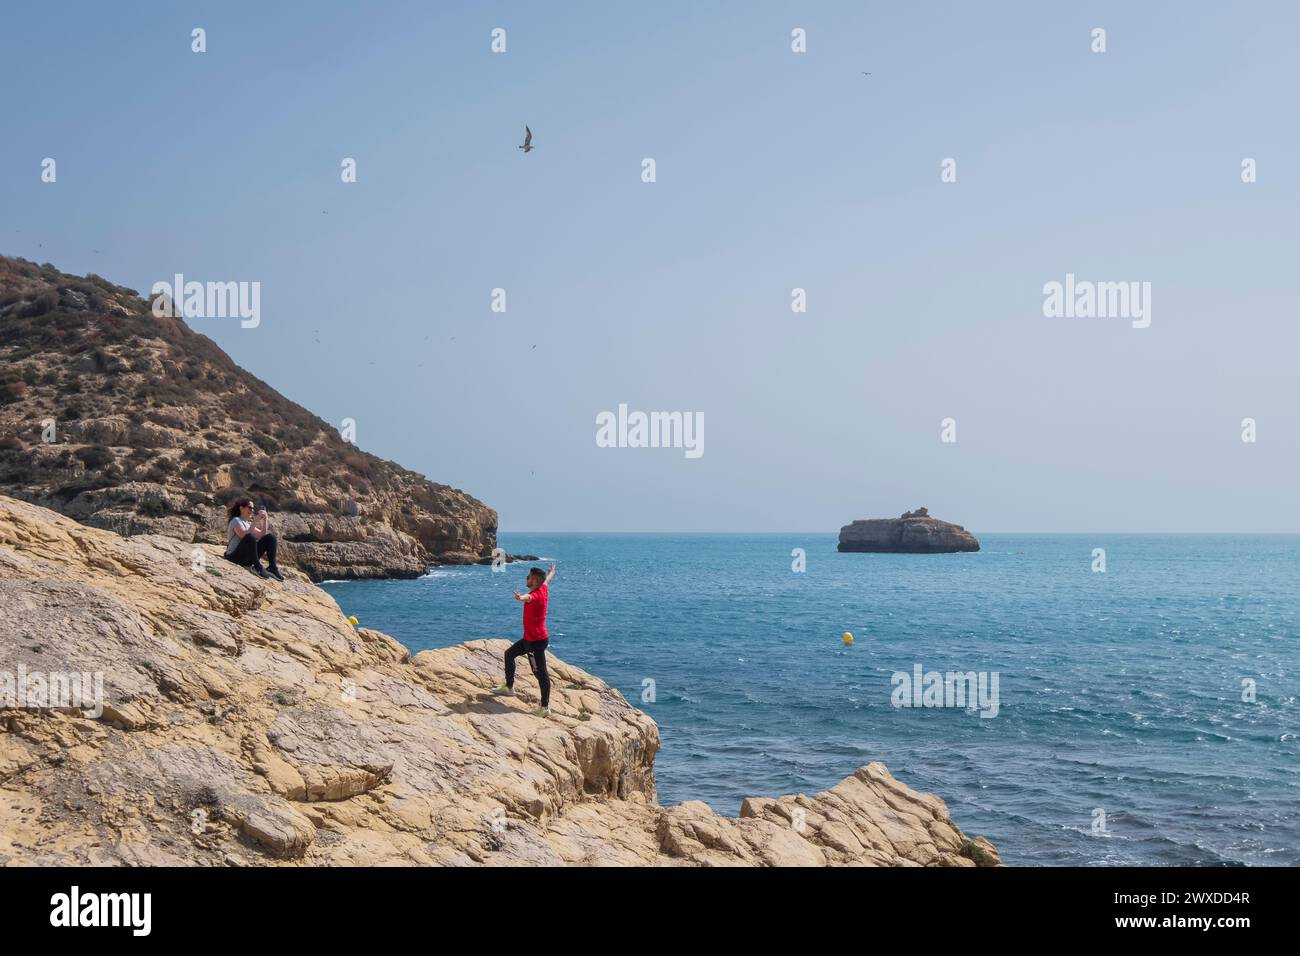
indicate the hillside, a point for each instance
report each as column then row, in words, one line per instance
column 155, row 430
column 245, row 723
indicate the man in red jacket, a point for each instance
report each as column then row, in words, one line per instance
column 534, row 640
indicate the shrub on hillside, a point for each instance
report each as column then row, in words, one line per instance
column 202, row 457
column 12, row 391
column 95, row 456
column 42, row 304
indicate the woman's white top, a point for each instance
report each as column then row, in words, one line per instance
column 242, row 525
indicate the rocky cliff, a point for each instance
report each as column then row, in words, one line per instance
column 245, row 722
column 915, row 532
column 135, row 423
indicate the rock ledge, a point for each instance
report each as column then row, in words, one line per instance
column 246, row 723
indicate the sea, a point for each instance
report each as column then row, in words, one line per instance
column 1134, row 697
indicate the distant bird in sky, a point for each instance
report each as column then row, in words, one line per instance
column 528, row 140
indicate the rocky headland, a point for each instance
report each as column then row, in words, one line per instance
column 246, row 722
column 914, row 532
column 135, row 423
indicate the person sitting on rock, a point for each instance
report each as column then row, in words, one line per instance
column 251, row 538
column 535, row 638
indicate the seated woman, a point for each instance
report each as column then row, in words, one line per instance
column 251, row 538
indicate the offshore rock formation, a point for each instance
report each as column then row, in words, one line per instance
column 134, row 423
column 915, row 532
column 244, row 722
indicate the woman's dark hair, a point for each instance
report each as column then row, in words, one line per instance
column 233, row 510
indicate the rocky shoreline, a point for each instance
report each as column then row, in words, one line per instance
column 914, row 532
column 247, row 723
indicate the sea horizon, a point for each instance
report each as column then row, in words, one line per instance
column 975, row 531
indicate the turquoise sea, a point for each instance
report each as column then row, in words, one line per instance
column 1124, row 693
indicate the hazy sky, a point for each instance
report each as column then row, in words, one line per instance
column 775, row 171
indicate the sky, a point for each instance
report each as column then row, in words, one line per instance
column 774, row 170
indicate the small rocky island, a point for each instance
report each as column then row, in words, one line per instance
column 915, row 532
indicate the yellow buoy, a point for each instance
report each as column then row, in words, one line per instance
column 353, row 621
column 848, row 638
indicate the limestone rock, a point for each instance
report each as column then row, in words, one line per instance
column 915, row 532
column 245, row 722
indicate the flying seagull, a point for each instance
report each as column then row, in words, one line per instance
column 528, row 140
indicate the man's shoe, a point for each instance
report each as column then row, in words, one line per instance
column 501, row 690
column 274, row 571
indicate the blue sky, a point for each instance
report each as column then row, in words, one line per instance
column 775, row 170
